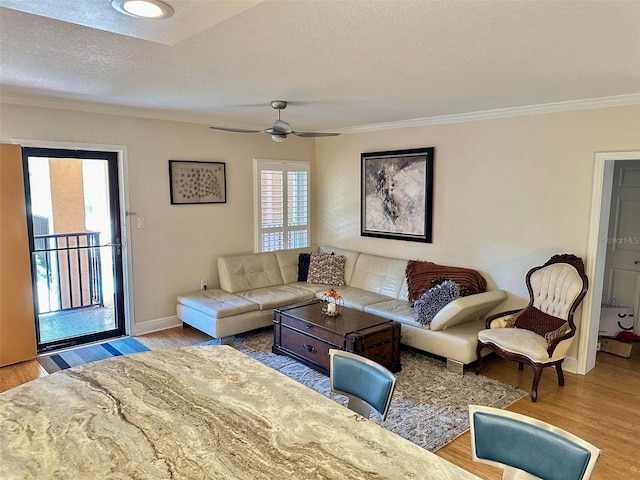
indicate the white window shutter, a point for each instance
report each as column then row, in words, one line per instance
column 282, row 205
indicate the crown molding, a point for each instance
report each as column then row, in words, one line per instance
column 602, row 102
column 200, row 118
column 103, row 108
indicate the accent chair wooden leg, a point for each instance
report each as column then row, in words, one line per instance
column 479, row 355
column 537, row 373
column 560, row 374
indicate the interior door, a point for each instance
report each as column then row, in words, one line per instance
column 73, row 219
column 17, row 334
column 622, row 266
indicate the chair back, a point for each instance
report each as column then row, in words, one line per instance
column 557, row 287
column 367, row 384
column 528, row 448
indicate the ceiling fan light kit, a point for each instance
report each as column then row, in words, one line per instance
column 280, row 129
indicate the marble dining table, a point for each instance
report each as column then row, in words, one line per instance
column 195, row 413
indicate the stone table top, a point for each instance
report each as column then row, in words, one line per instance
column 195, row 413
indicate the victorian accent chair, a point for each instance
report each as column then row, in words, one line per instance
column 540, row 334
column 367, row 384
column 528, row 448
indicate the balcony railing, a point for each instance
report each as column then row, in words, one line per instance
column 68, row 270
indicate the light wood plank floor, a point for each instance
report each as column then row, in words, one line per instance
column 603, row 407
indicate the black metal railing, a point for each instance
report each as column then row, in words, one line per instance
column 69, row 265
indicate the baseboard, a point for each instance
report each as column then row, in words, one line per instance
column 155, row 325
column 570, row 365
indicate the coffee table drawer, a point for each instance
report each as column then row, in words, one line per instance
column 308, row 328
column 313, row 349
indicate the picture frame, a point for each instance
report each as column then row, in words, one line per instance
column 396, row 199
column 195, row 182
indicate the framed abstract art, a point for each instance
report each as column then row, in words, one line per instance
column 397, row 194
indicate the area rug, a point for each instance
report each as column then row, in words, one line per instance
column 429, row 405
column 71, row 358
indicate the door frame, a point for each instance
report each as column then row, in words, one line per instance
column 121, row 151
column 597, row 252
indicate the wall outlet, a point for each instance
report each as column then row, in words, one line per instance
column 203, row 284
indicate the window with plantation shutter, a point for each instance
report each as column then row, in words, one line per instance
column 282, row 205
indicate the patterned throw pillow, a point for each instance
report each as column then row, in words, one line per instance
column 434, row 300
column 541, row 323
column 555, row 334
column 326, row 268
column 303, row 266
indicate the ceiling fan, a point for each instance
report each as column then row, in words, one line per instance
column 280, row 129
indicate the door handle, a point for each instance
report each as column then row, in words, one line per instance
column 637, row 262
column 117, row 245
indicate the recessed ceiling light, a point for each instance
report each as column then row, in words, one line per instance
column 143, row 8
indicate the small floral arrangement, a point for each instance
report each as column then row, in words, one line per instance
column 333, row 294
column 332, row 303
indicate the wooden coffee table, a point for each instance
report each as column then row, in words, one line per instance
column 302, row 332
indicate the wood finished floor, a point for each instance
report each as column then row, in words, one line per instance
column 603, row 407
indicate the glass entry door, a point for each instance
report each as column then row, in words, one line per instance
column 73, row 220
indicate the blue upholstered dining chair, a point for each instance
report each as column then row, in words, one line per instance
column 367, row 384
column 527, row 448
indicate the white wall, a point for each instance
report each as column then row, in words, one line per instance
column 508, row 193
column 180, row 243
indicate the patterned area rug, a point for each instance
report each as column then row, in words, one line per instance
column 91, row 353
column 429, row 405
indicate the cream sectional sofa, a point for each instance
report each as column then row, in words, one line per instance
column 252, row 285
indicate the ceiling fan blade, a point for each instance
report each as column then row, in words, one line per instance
column 280, row 129
column 237, row 130
column 314, row 134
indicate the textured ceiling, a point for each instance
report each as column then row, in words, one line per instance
column 340, row 64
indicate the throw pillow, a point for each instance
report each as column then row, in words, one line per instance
column 537, row 321
column 422, row 275
column 555, row 334
column 326, row 268
column 303, row 266
column 434, row 300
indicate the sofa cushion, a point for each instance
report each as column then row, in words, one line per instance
column 382, row 275
column 421, row 276
column 356, row 298
column 217, row 303
column 398, row 310
column 434, row 300
column 277, row 296
column 288, row 261
column 327, row 269
column 239, row 273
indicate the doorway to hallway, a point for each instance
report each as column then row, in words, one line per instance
column 75, row 241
